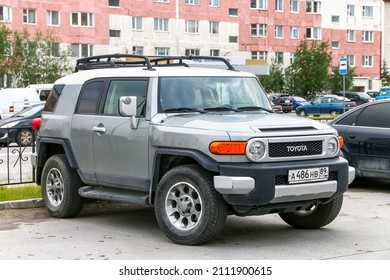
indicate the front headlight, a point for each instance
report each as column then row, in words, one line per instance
column 10, row 125
column 255, row 150
column 333, row 146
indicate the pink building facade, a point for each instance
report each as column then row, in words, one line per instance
column 260, row 29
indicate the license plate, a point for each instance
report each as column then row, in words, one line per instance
column 308, row 175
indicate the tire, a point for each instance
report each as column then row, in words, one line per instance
column 314, row 217
column 188, row 208
column 302, row 113
column 25, row 137
column 333, row 113
column 60, row 184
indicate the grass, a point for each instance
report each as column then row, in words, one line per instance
column 19, row 193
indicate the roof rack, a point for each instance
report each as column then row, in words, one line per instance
column 133, row 60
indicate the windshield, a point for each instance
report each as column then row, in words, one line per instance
column 212, row 94
column 28, row 112
column 364, row 95
column 297, row 98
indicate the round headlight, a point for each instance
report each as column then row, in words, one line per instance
column 333, row 146
column 256, row 150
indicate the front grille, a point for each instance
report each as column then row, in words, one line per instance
column 295, row 149
column 283, row 179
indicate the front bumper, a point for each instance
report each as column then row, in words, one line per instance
column 262, row 184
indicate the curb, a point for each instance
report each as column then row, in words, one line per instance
column 20, row 204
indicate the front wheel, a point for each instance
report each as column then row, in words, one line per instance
column 188, row 208
column 60, row 184
column 315, row 216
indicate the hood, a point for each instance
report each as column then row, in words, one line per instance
column 240, row 122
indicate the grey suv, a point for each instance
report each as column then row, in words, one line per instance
column 196, row 143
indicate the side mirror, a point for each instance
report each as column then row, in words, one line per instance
column 128, row 106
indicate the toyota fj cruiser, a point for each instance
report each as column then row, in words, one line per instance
column 196, row 143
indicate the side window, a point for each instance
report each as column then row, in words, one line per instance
column 350, row 119
column 52, row 98
column 376, row 116
column 118, row 88
column 89, row 98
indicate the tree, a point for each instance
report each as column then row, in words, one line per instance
column 274, row 82
column 385, row 74
column 308, row 74
column 336, row 80
column 5, row 49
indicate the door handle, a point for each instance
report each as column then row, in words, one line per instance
column 100, row 128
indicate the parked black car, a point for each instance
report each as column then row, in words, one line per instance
column 17, row 129
column 366, row 133
column 284, row 100
column 358, row 97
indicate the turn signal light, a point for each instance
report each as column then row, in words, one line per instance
column 341, row 141
column 227, row 148
column 36, row 123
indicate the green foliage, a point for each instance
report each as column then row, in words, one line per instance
column 385, row 74
column 19, row 193
column 274, row 82
column 32, row 60
column 308, row 74
column 336, row 80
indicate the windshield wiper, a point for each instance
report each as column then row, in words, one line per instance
column 222, row 108
column 182, row 110
column 254, row 108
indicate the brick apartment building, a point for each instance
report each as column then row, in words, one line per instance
column 260, row 29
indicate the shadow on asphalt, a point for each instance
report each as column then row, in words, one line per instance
column 371, row 185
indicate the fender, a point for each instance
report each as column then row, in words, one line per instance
column 44, row 143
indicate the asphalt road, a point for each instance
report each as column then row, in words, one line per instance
column 122, row 232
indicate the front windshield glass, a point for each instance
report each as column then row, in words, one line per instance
column 219, row 93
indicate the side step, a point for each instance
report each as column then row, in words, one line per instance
column 112, row 194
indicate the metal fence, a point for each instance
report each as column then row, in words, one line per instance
column 15, row 160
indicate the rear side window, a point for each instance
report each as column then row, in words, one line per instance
column 377, row 115
column 52, row 99
column 89, row 98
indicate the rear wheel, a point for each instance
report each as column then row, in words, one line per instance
column 315, row 216
column 333, row 113
column 25, row 137
column 188, row 208
column 302, row 113
column 60, row 184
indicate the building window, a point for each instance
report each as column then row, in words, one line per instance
column 192, row 26
column 292, row 57
column 29, row 16
column 313, row 33
column 55, row 49
column 233, row 12
column 335, row 44
column 351, row 60
column 214, row 3
column 259, row 4
column 82, row 19
column 279, row 31
column 368, row 11
column 214, row 27
column 279, row 57
column 82, row 50
column 138, row 50
column 161, row 24
column 5, row 14
column 259, row 30
column 136, row 23
column 191, row 2
column 115, row 33
column 294, row 32
column 294, row 6
column 161, row 1
column 214, row 52
column 367, row 36
column 367, row 61
column 113, row 3
column 189, row 52
column 335, row 19
column 351, row 35
column 313, row 6
column 279, row 5
column 161, row 51
column 53, row 18
column 351, row 10
column 233, row 39
column 260, row 55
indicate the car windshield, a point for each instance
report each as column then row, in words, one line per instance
column 364, row 95
column 298, row 98
column 234, row 94
column 28, row 112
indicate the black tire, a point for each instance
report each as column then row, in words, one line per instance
column 316, row 216
column 302, row 113
column 25, row 137
column 60, row 184
column 188, row 208
column 333, row 113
